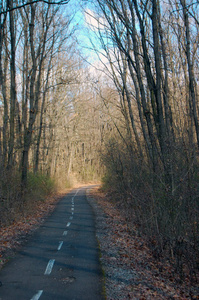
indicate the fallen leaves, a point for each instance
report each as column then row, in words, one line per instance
column 13, row 236
column 139, row 274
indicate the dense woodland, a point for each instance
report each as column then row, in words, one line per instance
column 132, row 122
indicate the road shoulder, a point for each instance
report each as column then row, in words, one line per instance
column 130, row 270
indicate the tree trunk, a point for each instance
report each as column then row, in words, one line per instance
column 12, row 86
column 193, row 94
column 3, row 75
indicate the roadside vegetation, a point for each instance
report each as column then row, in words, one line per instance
column 151, row 155
column 15, row 206
column 131, row 119
column 50, row 131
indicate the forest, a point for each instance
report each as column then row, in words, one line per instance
column 128, row 117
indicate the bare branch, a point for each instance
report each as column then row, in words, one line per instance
column 61, row 2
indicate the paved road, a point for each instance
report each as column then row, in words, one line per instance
column 61, row 260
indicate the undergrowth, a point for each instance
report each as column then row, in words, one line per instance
column 15, row 203
column 166, row 215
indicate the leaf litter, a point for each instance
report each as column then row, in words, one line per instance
column 12, row 237
column 130, row 269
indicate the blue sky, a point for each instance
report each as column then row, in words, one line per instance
column 83, row 32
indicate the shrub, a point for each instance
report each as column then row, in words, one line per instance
column 167, row 215
column 40, row 185
column 14, row 203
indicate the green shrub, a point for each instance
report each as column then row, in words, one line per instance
column 40, row 185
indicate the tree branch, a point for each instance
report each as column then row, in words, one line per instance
column 61, row 2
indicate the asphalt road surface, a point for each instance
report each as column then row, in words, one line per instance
column 61, row 260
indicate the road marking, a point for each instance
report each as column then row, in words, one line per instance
column 60, row 245
column 37, row 296
column 74, row 197
column 72, row 213
column 72, row 208
column 71, row 218
column 68, row 224
column 49, row 267
column 76, row 193
column 65, row 232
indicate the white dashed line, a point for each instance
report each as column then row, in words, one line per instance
column 49, row 267
column 76, row 193
column 52, row 261
column 37, row 296
column 73, row 198
column 60, row 245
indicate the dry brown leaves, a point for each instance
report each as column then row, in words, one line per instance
column 131, row 271
column 13, row 236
